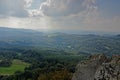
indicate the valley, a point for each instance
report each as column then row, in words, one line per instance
column 33, row 55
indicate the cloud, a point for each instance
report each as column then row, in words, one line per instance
column 16, row 8
column 60, row 15
column 35, row 13
column 28, row 3
column 60, row 8
column 73, row 12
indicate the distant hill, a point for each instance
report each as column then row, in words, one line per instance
column 79, row 44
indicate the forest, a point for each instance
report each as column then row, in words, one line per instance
column 43, row 64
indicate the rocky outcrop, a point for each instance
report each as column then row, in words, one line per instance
column 98, row 67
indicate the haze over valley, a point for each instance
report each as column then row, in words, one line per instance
column 59, row 40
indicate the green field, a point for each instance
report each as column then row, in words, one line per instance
column 17, row 65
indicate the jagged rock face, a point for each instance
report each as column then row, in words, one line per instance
column 98, row 67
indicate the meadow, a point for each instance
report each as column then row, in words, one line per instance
column 17, row 65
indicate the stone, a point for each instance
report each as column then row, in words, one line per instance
column 98, row 67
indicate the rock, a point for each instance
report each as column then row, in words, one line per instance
column 98, row 67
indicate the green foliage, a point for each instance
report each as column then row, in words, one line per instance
column 45, row 62
column 17, row 65
column 5, row 63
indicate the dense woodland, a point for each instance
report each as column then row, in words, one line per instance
column 44, row 64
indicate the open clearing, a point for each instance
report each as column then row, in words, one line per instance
column 17, row 65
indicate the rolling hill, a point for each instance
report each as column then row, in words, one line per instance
column 79, row 44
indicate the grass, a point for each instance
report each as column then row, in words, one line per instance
column 17, row 65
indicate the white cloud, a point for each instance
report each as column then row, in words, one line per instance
column 58, row 8
column 28, row 3
column 72, row 12
column 35, row 13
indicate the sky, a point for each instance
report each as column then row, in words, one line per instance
column 61, row 15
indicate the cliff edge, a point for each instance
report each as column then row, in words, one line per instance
column 98, row 67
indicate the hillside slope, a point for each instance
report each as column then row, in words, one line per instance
column 80, row 44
